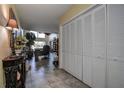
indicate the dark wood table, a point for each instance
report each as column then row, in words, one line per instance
column 14, row 69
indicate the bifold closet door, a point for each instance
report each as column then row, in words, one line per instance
column 115, row 46
column 94, row 48
column 63, row 39
column 99, row 47
column 73, row 37
column 87, row 48
column 66, row 37
column 79, row 61
column 79, row 26
column 72, row 52
column 69, row 46
column 63, row 47
column 66, row 47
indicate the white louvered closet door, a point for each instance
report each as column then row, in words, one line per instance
column 72, row 58
column 66, row 53
column 115, row 46
column 99, row 47
column 78, row 59
column 67, row 39
column 87, row 48
column 68, row 47
column 63, row 47
column 63, row 38
column 79, row 26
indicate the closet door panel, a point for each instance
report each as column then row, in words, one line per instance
column 63, row 59
column 87, row 70
column 65, row 63
column 87, row 48
column 99, row 47
column 73, row 64
column 75, row 37
column 99, row 32
column 69, row 63
column 116, row 74
column 99, row 77
column 66, row 29
column 87, row 35
column 67, row 38
column 116, row 32
column 79, row 27
column 63, row 39
column 72, row 37
column 79, row 67
column 115, row 46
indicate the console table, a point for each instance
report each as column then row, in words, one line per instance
column 14, row 69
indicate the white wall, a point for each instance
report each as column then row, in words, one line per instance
column 4, row 50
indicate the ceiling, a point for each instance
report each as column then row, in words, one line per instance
column 41, row 17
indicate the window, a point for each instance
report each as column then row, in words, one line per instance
column 41, row 35
column 38, row 34
column 39, row 44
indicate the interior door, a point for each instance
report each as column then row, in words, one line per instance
column 65, row 33
column 79, row 61
column 63, row 46
column 87, row 70
column 99, row 47
column 72, row 52
column 69, row 48
column 70, row 37
column 87, row 34
column 115, row 46
column 79, row 67
column 67, row 38
column 87, row 48
column 65, row 52
column 73, row 37
column 63, row 39
column 79, row 34
column 98, row 73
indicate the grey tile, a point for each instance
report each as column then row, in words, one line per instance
column 43, row 75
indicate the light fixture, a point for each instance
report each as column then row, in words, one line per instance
column 12, row 20
column 11, row 25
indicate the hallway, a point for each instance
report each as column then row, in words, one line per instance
column 88, row 40
column 43, row 75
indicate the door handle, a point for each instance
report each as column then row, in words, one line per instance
column 115, row 59
column 99, row 57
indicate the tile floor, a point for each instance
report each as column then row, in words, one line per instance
column 42, row 74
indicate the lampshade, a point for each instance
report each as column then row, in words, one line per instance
column 12, row 23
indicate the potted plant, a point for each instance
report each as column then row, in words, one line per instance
column 30, row 41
